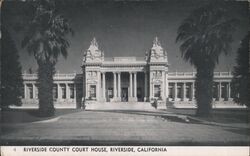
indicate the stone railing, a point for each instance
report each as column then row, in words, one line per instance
column 123, row 59
column 181, row 73
column 223, row 74
column 216, row 74
column 56, row 76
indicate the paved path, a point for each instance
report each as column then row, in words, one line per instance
column 121, row 128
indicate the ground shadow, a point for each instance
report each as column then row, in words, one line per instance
column 242, row 131
column 14, row 116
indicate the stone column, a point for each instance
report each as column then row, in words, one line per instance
column 104, row 86
column 84, row 85
column 130, row 85
column 145, row 86
column 190, row 92
column 219, row 91
column 115, row 91
column 25, row 90
column 74, row 85
column 166, row 90
column 151, row 86
column 135, row 86
column 175, row 91
column 119, row 85
column 163, row 86
column 67, row 91
column 229, row 91
column 153, row 91
column 98, row 89
column 59, row 96
column 184, row 91
column 193, row 91
column 86, row 91
column 34, row 91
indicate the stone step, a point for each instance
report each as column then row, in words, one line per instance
column 119, row 106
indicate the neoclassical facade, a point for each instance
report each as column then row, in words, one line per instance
column 125, row 79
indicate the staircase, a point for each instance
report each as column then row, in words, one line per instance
column 119, row 106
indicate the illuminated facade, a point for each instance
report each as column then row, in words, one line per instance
column 125, row 79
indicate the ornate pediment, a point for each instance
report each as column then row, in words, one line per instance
column 93, row 54
column 157, row 53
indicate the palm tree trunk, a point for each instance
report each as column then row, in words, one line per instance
column 204, row 90
column 45, row 88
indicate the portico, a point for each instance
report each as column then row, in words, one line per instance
column 125, row 78
column 120, row 86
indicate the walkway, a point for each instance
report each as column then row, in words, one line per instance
column 121, row 127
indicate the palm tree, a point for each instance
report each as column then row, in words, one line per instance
column 204, row 35
column 241, row 74
column 46, row 40
column 11, row 72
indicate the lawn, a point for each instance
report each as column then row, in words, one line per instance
column 225, row 115
column 29, row 115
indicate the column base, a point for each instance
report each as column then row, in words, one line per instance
column 218, row 99
column 167, row 99
column 185, row 99
column 146, row 99
column 132, row 99
column 174, row 99
column 102, row 99
column 230, row 99
column 116, row 99
column 163, row 98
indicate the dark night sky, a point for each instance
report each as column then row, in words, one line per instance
column 128, row 28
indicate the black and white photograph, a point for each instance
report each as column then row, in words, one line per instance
column 150, row 73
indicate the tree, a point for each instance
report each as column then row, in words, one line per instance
column 46, row 39
column 241, row 74
column 11, row 72
column 204, row 35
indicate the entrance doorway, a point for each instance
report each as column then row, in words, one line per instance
column 124, row 96
column 139, row 94
column 110, row 94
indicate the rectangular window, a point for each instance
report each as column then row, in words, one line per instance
column 55, row 94
column 170, row 92
column 36, row 91
column 110, row 92
column 79, row 91
column 93, row 91
column 63, row 86
column 215, row 90
column 179, row 91
column 71, row 90
column 231, row 91
column 223, row 90
column 157, row 91
column 22, row 91
column 188, row 91
column 30, row 91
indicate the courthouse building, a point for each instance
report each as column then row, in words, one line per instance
column 126, row 79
